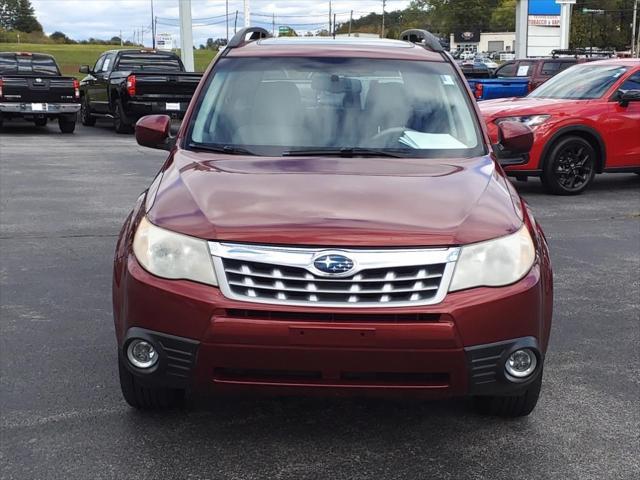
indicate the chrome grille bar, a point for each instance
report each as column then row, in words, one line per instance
column 287, row 276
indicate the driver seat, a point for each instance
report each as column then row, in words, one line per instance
column 386, row 106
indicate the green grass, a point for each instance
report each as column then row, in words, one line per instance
column 70, row 57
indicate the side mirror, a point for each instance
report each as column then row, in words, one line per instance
column 515, row 140
column 84, row 69
column 153, row 131
column 624, row 98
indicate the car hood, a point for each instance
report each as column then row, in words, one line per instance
column 334, row 201
column 507, row 107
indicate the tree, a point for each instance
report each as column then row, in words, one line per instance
column 25, row 18
column 8, row 10
column 59, row 37
column 503, row 18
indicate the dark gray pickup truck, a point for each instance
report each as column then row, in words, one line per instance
column 32, row 88
column 125, row 85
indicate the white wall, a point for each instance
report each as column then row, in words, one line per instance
column 542, row 40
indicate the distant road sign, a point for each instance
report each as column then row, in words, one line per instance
column 164, row 41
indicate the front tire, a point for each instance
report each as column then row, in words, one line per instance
column 570, row 166
column 146, row 398
column 512, row 406
column 85, row 114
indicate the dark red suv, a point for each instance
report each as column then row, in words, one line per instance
column 331, row 218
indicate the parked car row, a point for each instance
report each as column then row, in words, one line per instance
column 585, row 119
column 123, row 86
column 518, row 78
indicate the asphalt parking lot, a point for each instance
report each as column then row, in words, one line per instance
column 62, row 201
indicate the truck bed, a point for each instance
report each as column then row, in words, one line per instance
column 490, row 88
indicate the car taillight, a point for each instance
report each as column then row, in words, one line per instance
column 76, row 88
column 479, row 90
column 131, row 85
column 0, row 88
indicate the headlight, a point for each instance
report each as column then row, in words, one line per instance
column 173, row 255
column 494, row 263
column 530, row 120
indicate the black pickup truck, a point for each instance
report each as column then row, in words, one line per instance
column 32, row 88
column 125, row 85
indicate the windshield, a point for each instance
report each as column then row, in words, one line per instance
column 280, row 105
column 581, row 82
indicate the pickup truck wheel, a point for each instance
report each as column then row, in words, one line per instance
column 66, row 125
column 85, row 114
column 146, row 398
column 120, row 122
column 510, row 406
column 570, row 166
column 41, row 122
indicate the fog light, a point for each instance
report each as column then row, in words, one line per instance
column 521, row 363
column 141, row 354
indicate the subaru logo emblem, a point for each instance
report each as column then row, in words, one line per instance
column 333, row 264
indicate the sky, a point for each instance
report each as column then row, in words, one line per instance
column 81, row 19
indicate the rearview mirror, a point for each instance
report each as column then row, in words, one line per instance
column 625, row 98
column 153, row 131
column 515, row 140
column 84, row 69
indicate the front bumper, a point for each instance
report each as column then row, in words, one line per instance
column 39, row 108
column 456, row 347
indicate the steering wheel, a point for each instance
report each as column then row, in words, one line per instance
column 388, row 135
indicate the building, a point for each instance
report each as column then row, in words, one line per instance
column 474, row 41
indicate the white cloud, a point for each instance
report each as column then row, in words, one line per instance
column 81, row 19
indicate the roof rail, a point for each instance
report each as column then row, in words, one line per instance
column 241, row 37
column 422, row 37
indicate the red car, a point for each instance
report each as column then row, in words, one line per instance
column 586, row 120
column 325, row 224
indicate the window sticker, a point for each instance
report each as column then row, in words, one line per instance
column 523, row 70
column 447, row 80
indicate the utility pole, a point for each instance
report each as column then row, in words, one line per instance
column 634, row 52
column 121, row 38
column 273, row 25
column 247, row 13
column 186, row 34
column 330, row 30
column 350, row 21
column 235, row 24
column 334, row 25
column 227, row 18
column 142, row 35
column 384, row 4
column 153, row 27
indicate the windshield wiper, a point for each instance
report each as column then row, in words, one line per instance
column 228, row 149
column 345, row 152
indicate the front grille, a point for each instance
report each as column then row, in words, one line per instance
column 389, row 285
column 290, row 276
